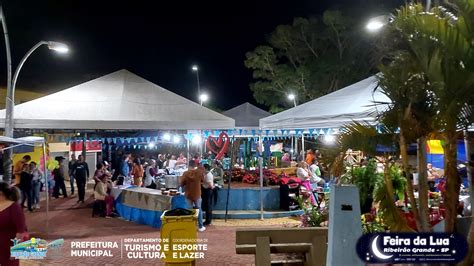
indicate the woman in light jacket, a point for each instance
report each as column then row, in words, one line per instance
column 100, row 193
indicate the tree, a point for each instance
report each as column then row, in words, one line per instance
column 442, row 44
column 365, row 137
column 410, row 110
column 309, row 58
column 444, row 49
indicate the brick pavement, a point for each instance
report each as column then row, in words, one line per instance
column 73, row 222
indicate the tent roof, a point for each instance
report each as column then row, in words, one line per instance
column 246, row 115
column 352, row 103
column 120, row 100
column 32, row 140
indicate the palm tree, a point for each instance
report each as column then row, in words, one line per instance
column 410, row 110
column 365, row 137
column 442, row 44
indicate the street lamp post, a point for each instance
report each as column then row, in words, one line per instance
column 11, row 84
column 7, row 163
column 195, row 68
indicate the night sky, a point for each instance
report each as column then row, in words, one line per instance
column 158, row 40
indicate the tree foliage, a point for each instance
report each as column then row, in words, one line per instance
column 311, row 57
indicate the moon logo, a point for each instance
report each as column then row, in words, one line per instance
column 376, row 250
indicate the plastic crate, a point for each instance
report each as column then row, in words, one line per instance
column 178, row 230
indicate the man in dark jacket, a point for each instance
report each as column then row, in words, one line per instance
column 59, row 174
column 81, row 174
column 71, row 164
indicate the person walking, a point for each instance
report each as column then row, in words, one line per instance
column 26, row 187
column 37, row 177
column 59, row 176
column 71, row 164
column 18, row 168
column 207, row 194
column 12, row 223
column 192, row 180
column 81, row 174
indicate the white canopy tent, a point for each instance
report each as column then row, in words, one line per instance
column 120, row 100
column 31, row 141
column 357, row 102
column 246, row 115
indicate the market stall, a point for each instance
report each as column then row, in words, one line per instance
column 32, row 141
column 324, row 116
column 246, row 118
column 144, row 205
column 118, row 101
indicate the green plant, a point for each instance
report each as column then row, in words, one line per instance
column 366, row 179
column 393, row 217
column 312, row 215
column 373, row 223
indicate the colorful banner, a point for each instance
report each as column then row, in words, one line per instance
column 434, row 147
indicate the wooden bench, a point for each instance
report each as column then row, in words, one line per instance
column 310, row 241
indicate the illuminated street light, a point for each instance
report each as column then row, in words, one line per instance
column 374, row 25
column 203, row 98
column 196, row 139
column 292, row 97
column 58, row 47
column 195, row 68
column 176, row 139
column 329, row 139
column 377, row 23
column 10, row 99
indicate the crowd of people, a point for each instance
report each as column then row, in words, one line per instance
column 204, row 175
column 28, row 179
column 311, row 174
column 76, row 170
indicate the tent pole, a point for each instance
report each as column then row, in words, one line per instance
column 302, row 144
column 230, row 177
column 187, row 161
column 84, row 146
column 292, row 151
column 297, row 154
column 260, row 165
column 200, row 144
column 46, row 178
column 468, row 168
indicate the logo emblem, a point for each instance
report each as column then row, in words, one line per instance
column 35, row 248
column 377, row 252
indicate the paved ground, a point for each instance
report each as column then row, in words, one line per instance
column 73, row 222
